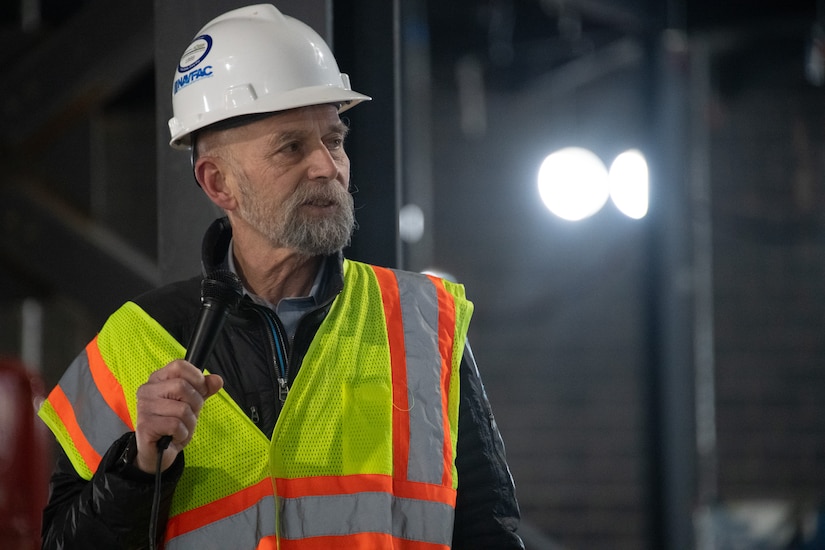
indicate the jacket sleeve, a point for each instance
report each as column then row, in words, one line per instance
column 486, row 513
column 113, row 509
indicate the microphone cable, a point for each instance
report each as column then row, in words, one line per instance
column 153, row 518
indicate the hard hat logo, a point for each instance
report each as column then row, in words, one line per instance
column 253, row 60
column 194, row 54
column 187, row 79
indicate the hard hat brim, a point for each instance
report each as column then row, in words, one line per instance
column 181, row 130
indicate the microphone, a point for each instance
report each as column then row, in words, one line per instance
column 221, row 291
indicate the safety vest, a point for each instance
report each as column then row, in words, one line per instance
column 362, row 455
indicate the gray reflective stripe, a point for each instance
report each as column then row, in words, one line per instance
column 242, row 530
column 100, row 424
column 419, row 311
column 349, row 514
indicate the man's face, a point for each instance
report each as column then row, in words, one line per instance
column 292, row 175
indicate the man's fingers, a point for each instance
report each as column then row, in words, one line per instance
column 183, row 370
column 169, row 404
column 213, row 384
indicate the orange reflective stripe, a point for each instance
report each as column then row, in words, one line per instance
column 425, row 491
column 65, row 412
column 331, row 485
column 361, row 541
column 347, row 542
column 395, row 332
column 218, row 509
column 446, row 327
column 268, row 543
column 107, row 384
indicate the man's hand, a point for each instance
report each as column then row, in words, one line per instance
column 169, row 404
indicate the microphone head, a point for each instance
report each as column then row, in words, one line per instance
column 223, row 287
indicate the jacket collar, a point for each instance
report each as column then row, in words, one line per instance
column 215, row 255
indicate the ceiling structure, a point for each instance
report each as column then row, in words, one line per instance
column 518, row 39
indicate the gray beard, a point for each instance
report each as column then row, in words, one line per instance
column 314, row 237
column 308, row 235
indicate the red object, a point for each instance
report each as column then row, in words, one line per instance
column 25, row 456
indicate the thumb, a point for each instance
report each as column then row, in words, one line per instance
column 213, row 384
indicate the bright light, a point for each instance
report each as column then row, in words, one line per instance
column 629, row 184
column 573, row 183
column 411, row 223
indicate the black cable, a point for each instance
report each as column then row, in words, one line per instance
column 153, row 519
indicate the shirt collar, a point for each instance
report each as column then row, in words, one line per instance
column 312, row 298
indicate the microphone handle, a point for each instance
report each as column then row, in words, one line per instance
column 210, row 323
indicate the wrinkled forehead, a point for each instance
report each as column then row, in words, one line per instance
column 324, row 118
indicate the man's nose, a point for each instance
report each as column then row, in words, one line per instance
column 322, row 164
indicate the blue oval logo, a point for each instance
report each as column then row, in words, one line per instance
column 194, row 54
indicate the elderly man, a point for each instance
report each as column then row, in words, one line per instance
column 340, row 406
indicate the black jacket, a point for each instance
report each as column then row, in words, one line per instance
column 113, row 509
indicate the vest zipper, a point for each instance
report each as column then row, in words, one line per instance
column 283, row 390
column 280, row 351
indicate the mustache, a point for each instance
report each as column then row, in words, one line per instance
column 320, row 194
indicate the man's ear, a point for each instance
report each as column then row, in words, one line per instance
column 211, row 174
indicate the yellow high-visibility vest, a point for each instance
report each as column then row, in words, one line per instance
column 362, row 455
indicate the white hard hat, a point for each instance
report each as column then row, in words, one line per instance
column 253, row 60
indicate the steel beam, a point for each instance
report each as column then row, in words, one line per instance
column 89, row 60
column 366, row 41
column 63, row 250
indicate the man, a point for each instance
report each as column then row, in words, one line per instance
column 340, row 407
